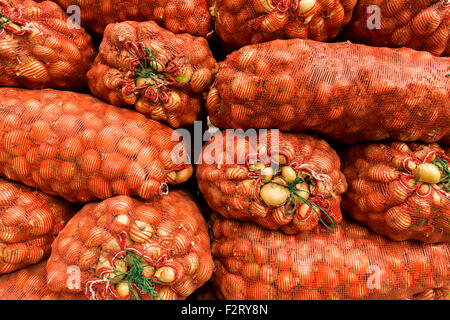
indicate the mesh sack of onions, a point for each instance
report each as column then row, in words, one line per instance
column 162, row 74
column 348, row 262
column 80, row 148
column 302, row 84
column 40, row 48
column 244, row 22
column 178, row 16
column 285, row 181
column 29, row 222
column 130, row 249
column 421, row 25
column 399, row 190
column 30, row 283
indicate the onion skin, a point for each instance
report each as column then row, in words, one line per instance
column 348, row 263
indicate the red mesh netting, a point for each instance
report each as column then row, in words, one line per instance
column 302, row 84
column 163, row 74
column 127, row 249
column 38, row 47
column 178, row 16
column 244, row 22
column 348, row 262
column 290, row 182
column 29, row 222
column 421, row 25
column 399, row 190
column 30, row 284
column 80, row 148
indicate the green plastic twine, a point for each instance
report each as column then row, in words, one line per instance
column 442, row 164
column 135, row 276
column 7, row 20
column 147, row 65
column 293, row 192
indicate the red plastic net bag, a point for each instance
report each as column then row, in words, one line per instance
column 244, row 22
column 77, row 147
column 348, row 262
column 421, row 25
column 302, row 84
column 178, row 16
column 162, row 74
column 129, row 249
column 29, row 222
column 399, row 190
column 290, row 182
column 30, row 284
column 40, row 48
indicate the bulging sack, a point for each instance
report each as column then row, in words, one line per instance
column 244, row 22
column 123, row 248
column 347, row 262
column 162, row 74
column 40, row 48
column 29, row 222
column 343, row 91
column 178, row 16
column 421, row 25
column 80, row 148
column 31, row 284
column 399, row 190
column 290, row 182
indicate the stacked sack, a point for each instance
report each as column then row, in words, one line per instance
column 163, row 74
column 398, row 189
column 280, row 202
column 40, row 47
column 421, row 25
column 29, row 222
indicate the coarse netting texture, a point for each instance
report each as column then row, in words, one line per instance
column 178, row 16
column 421, row 25
column 302, row 84
column 400, row 190
column 164, row 75
column 78, row 147
column 130, row 249
column 30, row 283
column 29, row 222
column 348, row 262
column 285, row 181
column 39, row 47
column 243, row 22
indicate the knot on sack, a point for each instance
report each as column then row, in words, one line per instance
column 11, row 19
column 442, row 164
column 285, row 5
column 150, row 74
column 131, row 271
column 291, row 205
column 318, row 204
